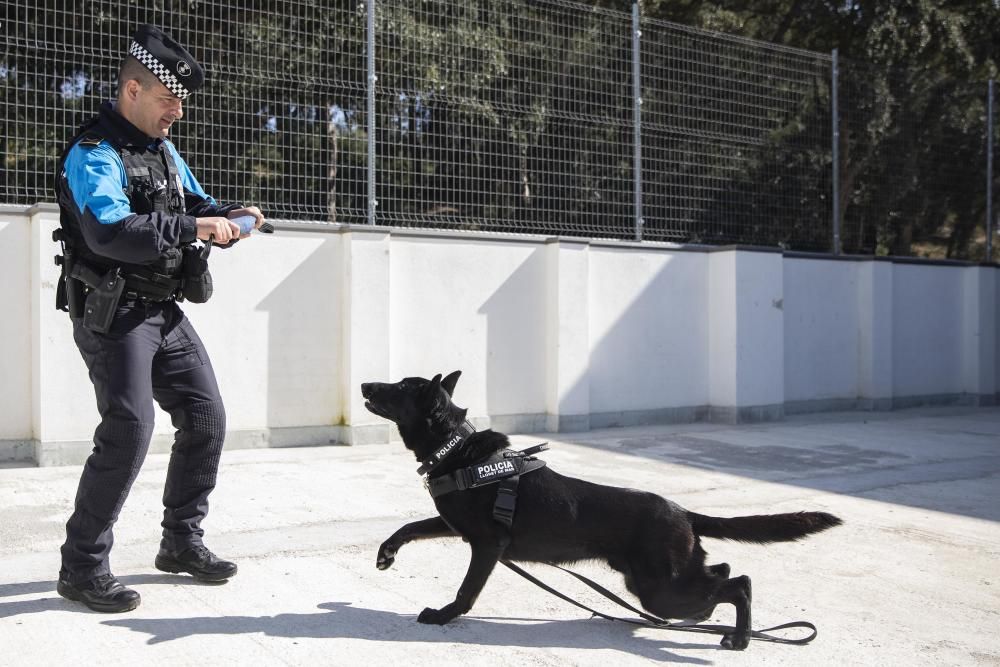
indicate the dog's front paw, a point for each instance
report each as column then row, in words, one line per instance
column 386, row 556
column 735, row 641
column 435, row 616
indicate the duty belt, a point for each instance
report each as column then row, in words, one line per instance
column 155, row 287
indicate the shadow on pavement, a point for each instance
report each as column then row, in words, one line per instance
column 874, row 458
column 341, row 620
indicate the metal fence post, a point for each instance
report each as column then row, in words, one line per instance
column 835, row 122
column 372, row 202
column 637, row 118
column 989, row 173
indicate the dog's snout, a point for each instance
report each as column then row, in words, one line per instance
column 369, row 390
column 375, row 398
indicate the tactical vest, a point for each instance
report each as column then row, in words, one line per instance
column 153, row 184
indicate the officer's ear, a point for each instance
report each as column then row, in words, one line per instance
column 131, row 89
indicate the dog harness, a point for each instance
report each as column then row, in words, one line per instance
column 503, row 468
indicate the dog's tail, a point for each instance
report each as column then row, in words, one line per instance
column 764, row 528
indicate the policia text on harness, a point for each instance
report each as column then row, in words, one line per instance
column 91, row 285
column 503, row 468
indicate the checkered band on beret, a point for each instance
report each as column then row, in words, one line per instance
column 158, row 69
column 167, row 60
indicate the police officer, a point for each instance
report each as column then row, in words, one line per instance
column 130, row 213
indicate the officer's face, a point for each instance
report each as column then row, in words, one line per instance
column 156, row 109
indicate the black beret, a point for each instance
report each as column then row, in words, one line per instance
column 168, row 60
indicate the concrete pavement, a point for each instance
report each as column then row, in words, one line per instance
column 912, row 577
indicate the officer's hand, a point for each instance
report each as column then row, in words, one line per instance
column 249, row 210
column 223, row 229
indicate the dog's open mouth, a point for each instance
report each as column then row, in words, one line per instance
column 376, row 410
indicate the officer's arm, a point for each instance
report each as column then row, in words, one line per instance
column 196, row 201
column 96, row 177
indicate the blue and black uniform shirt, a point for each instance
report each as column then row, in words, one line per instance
column 97, row 182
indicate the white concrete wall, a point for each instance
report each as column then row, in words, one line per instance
column 273, row 330
column 648, row 330
column 981, row 303
column 472, row 305
column 927, row 330
column 550, row 334
column 15, row 336
column 267, row 345
column 822, row 328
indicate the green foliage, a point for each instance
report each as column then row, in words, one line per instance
column 913, row 106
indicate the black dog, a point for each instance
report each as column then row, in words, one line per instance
column 653, row 542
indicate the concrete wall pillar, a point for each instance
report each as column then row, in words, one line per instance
column 567, row 336
column 979, row 334
column 875, row 316
column 366, row 330
column 746, row 336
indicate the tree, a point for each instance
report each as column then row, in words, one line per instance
column 913, row 104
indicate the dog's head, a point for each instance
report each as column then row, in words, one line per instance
column 421, row 408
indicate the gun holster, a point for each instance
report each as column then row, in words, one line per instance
column 75, row 294
column 102, row 301
column 69, row 290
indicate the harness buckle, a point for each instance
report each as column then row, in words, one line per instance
column 464, row 479
column 506, row 501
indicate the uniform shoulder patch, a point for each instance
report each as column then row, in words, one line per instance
column 91, row 140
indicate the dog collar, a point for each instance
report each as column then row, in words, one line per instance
column 454, row 440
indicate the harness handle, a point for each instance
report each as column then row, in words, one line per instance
column 530, row 451
column 648, row 620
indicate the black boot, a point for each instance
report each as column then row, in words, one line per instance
column 104, row 593
column 197, row 561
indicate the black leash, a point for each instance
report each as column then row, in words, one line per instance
column 648, row 620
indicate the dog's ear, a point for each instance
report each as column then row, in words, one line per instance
column 432, row 388
column 449, row 382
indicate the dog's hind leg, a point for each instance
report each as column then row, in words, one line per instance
column 737, row 592
column 721, row 571
column 675, row 598
column 485, row 555
column 691, row 595
column 418, row 530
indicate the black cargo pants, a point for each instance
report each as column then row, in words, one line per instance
column 151, row 352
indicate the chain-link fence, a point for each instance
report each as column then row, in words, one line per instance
column 518, row 116
column 279, row 122
column 736, row 138
column 913, row 163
